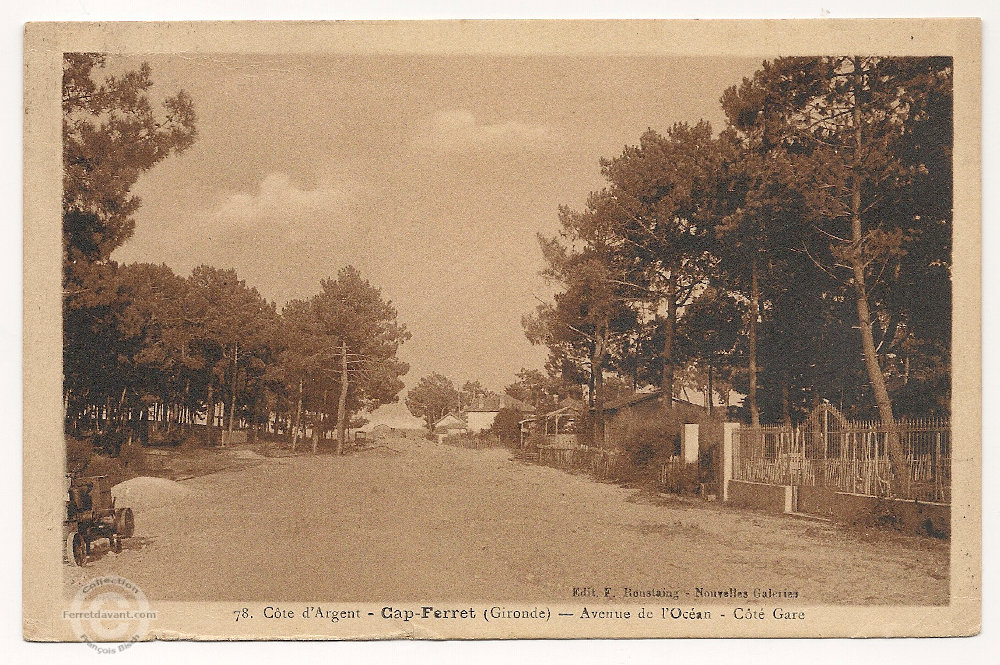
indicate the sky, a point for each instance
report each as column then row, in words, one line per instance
column 432, row 175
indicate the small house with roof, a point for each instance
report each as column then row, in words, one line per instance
column 451, row 424
column 624, row 416
column 483, row 411
column 556, row 428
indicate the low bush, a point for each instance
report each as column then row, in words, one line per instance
column 161, row 438
column 649, row 444
column 681, row 478
column 109, row 443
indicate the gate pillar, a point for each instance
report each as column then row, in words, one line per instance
column 729, row 431
column 689, row 443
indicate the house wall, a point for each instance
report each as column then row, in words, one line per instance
column 480, row 420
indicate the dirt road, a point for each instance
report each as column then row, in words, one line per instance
column 420, row 520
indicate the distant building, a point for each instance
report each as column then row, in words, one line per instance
column 483, row 411
column 450, row 424
column 384, row 432
column 557, row 428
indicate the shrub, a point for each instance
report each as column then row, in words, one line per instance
column 650, row 443
column 535, row 439
column 175, row 437
column 681, row 478
column 109, row 443
column 507, row 426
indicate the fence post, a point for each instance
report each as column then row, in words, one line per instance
column 729, row 431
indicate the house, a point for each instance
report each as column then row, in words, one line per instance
column 391, row 424
column 623, row 416
column 450, row 424
column 483, row 411
column 557, row 428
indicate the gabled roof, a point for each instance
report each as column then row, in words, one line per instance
column 508, row 402
column 639, row 398
column 450, row 419
column 566, row 410
column 632, row 400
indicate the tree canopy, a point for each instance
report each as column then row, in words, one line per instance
column 434, row 397
column 801, row 254
column 139, row 337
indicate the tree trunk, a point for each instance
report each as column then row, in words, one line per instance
column 186, row 412
column 597, row 370
column 298, row 417
column 754, row 316
column 342, row 402
column 590, row 380
column 897, row 457
column 232, row 397
column 711, row 391
column 667, row 382
column 255, row 418
column 210, row 415
column 318, row 426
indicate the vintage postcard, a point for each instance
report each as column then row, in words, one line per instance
column 501, row 329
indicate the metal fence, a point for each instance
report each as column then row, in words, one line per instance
column 848, row 456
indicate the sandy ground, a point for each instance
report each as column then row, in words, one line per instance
column 420, row 520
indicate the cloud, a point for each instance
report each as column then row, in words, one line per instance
column 278, row 198
column 459, row 130
column 281, row 215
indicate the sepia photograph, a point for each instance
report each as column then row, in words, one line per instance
column 501, row 330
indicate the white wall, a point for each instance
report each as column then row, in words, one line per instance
column 480, row 420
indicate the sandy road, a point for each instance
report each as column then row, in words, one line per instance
column 421, row 521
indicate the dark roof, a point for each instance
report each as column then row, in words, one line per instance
column 639, row 398
column 632, row 400
column 492, row 403
column 457, row 416
column 508, row 402
column 566, row 410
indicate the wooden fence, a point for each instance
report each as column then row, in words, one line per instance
column 601, row 463
column 474, row 442
column 848, row 456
